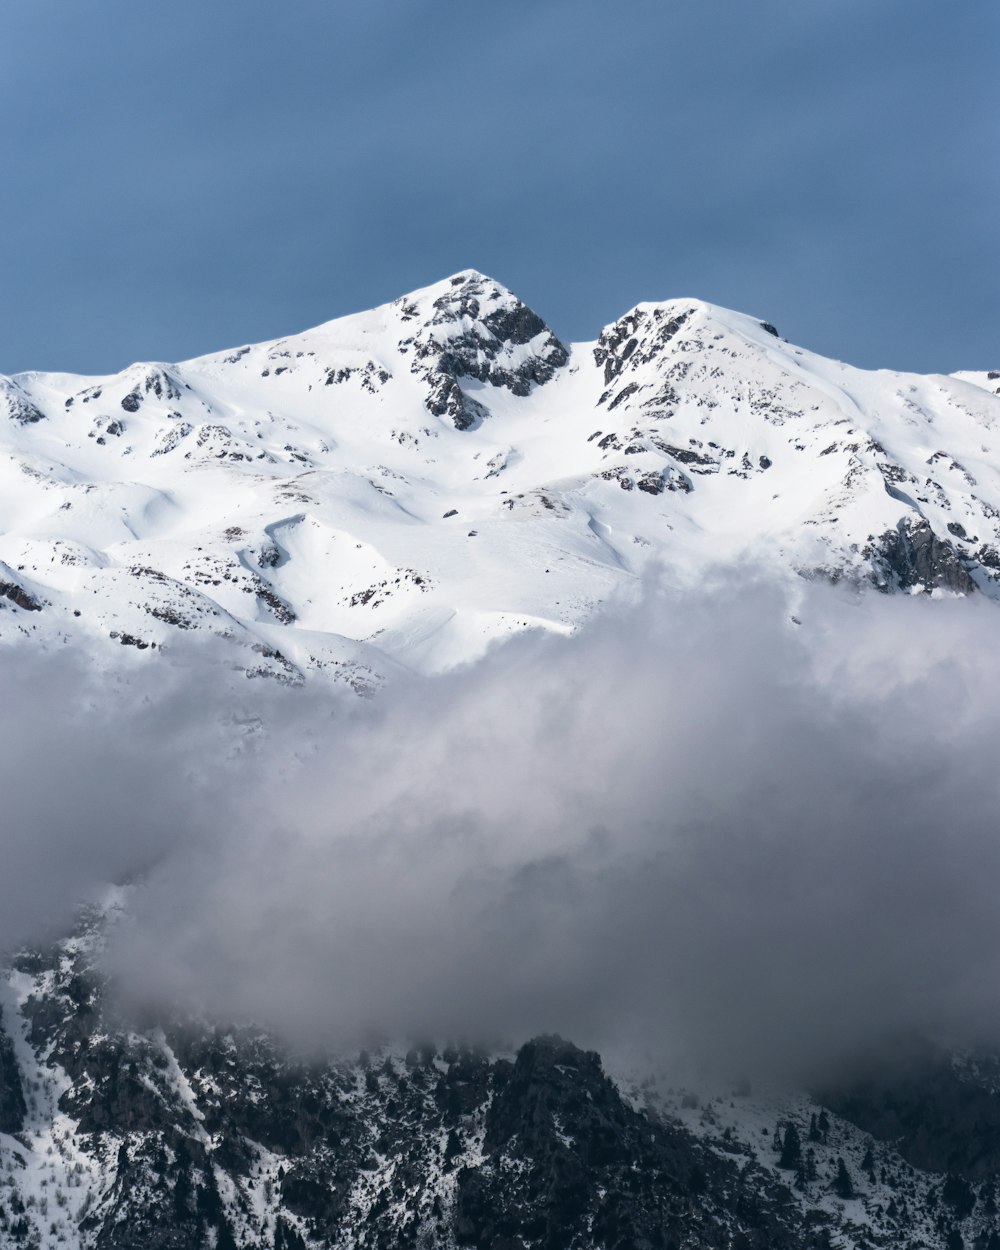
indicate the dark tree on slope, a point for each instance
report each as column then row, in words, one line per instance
column 12, row 1108
column 791, row 1150
column 286, row 1238
column 958, row 1194
column 843, row 1186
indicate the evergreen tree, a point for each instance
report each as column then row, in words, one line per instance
column 286, row 1237
column 791, row 1150
column 452, row 1149
column 224, row 1239
column 957, row 1193
column 182, row 1194
column 843, row 1186
column 823, row 1124
column 814, row 1133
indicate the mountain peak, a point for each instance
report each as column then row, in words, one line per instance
column 472, row 328
column 408, row 484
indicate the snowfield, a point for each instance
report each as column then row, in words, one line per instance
column 404, row 486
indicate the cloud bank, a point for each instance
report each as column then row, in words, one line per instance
column 696, row 826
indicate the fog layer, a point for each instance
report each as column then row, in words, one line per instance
column 698, row 826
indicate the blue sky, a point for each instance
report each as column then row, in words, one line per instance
column 182, row 177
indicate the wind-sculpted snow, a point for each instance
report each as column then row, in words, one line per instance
column 403, row 487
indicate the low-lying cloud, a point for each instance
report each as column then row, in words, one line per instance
column 696, row 826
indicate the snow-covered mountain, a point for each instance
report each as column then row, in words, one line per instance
column 394, row 491
column 402, row 486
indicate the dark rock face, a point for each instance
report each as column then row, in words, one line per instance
column 476, row 331
column 19, row 596
column 164, row 1197
column 913, row 555
column 204, row 1136
column 12, row 1108
column 940, row 1116
column 569, row 1164
column 158, row 382
column 447, row 399
column 19, row 408
column 198, row 1135
column 638, row 336
column 633, row 342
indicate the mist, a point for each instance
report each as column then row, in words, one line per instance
column 723, row 827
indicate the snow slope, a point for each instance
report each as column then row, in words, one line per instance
column 403, row 486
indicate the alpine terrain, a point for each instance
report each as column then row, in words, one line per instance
column 393, row 492
column 403, row 486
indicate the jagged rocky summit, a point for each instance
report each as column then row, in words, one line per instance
column 182, row 1135
column 403, row 486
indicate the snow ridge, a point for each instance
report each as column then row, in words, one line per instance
column 406, row 485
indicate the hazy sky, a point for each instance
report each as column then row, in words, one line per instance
column 182, row 177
